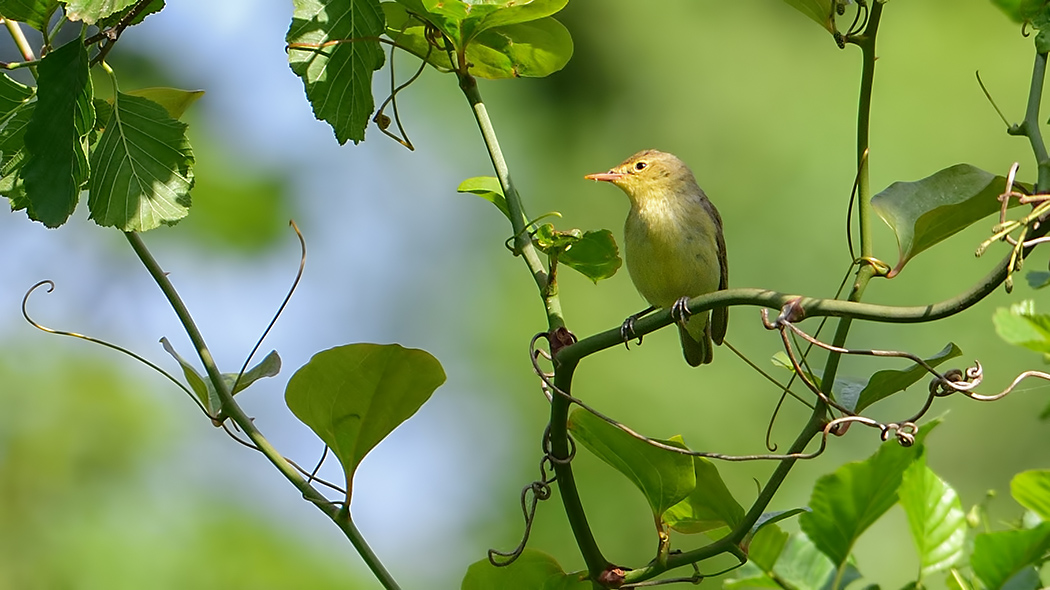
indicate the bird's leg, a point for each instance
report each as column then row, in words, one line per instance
column 627, row 328
column 680, row 311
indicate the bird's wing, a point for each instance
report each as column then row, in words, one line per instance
column 719, row 316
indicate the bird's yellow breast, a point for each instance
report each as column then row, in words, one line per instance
column 671, row 249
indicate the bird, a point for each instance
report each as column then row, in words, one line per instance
column 674, row 247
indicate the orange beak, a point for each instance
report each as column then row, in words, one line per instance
column 605, row 176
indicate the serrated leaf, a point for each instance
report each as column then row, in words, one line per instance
column 845, row 503
column 1031, row 489
column 142, row 168
column 935, row 517
column 664, row 477
column 90, row 11
column 533, row 570
column 174, row 100
column 709, row 506
column 887, row 382
column 820, row 11
column 928, row 211
column 338, row 78
column 999, row 556
column 353, row 396
column 13, row 154
column 488, row 188
column 1020, row 325
column 35, row 13
column 57, row 166
column 114, row 19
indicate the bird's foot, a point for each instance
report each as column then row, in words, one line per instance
column 627, row 332
column 680, row 311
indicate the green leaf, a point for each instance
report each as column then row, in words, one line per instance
column 115, row 18
column 999, row 556
column 1019, row 10
column 1021, row 326
column 173, row 100
column 552, row 241
column 664, row 477
column 13, row 155
column 709, row 506
column 595, row 255
column 766, row 546
column 142, row 168
column 887, row 382
column 1031, row 489
column 820, row 11
column 352, row 396
column 90, row 11
column 202, row 386
column 845, row 503
column 928, row 211
column 534, row 570
column 534, row 48
column 338, row 78
column 57, row 165
column 35, row 13
column 511, row 12
column 13, row 96
column 935, row 516
column 488, row 188
column 800, row 566
column 1038, row 279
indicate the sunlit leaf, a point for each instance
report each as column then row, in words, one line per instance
column 353, row 396
column 115, row 18
column 35, row 13
column 534, row 570
column 338, row 77
column 928, row 211
column 488, row 188
column 90, row 11
column 845, row 503
column 664, row 477
column 173, row 100
column 142, row 168
column 13, row 155
column 57, row 166
column 935, row 517
column 533, row 48
column 1020, row 325
column 821, row 11
column 709, row 506
column 594, row 255
column 887, row 382
column 1031, row 489
column 1001, row 555
column 799, row 566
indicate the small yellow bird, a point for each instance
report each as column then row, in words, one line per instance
column 674, row 246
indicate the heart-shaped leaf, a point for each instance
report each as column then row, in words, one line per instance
column 928, row 211
column 352, row 396
column 533, row 570
column 709, row 506
column 664, row 477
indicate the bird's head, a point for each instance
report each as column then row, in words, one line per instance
column 649, row 174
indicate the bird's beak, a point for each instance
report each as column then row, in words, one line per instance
column 605, row 176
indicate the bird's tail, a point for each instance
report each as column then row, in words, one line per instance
column 697, row 351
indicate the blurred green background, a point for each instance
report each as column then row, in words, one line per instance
column 109, row 478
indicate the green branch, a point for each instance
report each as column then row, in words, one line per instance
column 230, row 409
column 522, row 241
column 1030, row 126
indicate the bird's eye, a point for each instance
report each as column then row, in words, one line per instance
column 640, row 165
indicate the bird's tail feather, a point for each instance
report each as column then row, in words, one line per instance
column 697, row 351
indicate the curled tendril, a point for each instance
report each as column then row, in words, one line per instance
column 531, row 496
column 51, row 287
